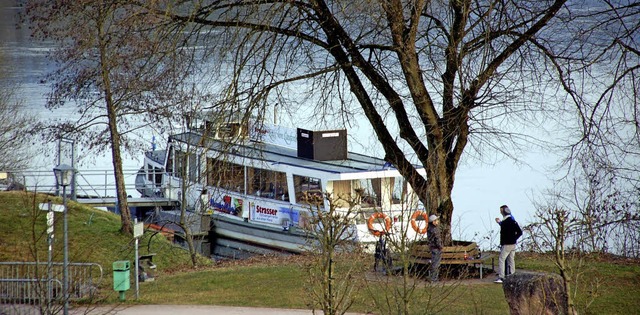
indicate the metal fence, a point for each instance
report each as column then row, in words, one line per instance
column 36, row 288
column 94, row 182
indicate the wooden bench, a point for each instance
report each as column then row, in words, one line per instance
column 461, row 253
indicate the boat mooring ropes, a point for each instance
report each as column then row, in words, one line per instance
column 379, row 215
column 414, row 224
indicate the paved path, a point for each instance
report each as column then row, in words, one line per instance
column 189, row 310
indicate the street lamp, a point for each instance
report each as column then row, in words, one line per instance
column 64, row 175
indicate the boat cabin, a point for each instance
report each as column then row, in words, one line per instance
column 319, row 162
column 274, row 175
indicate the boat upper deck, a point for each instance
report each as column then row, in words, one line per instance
column 273, row 153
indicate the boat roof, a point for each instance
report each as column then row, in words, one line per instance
column 157, row 156
column 277, row 154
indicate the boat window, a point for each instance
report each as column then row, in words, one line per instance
column 154, row 174
column 267, row 184
column 194, row 174
column 281, row 187
column 370, row 191
column 308, row 190
column 399, row 190
column 342, row 193
column 150, row 172
column 158, row 174
column 170, row 161
column 225, row 175
column 180, row 163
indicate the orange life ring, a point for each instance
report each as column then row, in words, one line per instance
column 379, row 215
column 414, row 224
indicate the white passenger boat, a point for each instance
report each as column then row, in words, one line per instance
column 259, row 184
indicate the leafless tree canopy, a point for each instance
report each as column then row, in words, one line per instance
column 118, row 65
column 608, row 105
column 428, row 75
column 601, row 190
column 14, row 136
column 435, row 79
column 14, row 132
column 109, row 54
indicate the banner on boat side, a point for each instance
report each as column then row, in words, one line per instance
column 275, row 215
column 231, row 205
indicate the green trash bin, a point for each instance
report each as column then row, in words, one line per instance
column 121, row 276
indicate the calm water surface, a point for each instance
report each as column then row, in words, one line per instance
column 24, row 66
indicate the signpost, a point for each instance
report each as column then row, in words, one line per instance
column 138, row 231
column 50, row 208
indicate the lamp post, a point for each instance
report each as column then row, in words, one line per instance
column 64, row 174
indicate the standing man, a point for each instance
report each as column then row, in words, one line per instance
column 380, row 259
column 509, row 233
column 434, row 237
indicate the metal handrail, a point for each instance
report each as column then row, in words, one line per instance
column 44, row 181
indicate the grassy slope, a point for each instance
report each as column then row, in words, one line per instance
column 94, row 237
column 93, row 234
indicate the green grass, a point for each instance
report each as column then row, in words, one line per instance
column 93, row 235
column 269, row 282
column 613, row 280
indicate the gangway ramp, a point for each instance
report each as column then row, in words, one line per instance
column 133, row 202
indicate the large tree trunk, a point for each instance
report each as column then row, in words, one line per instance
column 112, row 117
column 121, row 192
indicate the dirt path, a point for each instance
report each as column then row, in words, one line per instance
column 488, row 277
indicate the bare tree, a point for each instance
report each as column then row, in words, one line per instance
column 429, row 76
column 604, row 215
column 402, row 288
column 609, row 211
column 336, row 268
column 198, row 168
column 609, row 107
column 555, row 229
column 14, row 130
column 601, row 75
column 589, row 213
column 556, row 226
column 189, row 173
column 120, row 69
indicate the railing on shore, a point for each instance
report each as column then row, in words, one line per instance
column 89, row 183
column 36, row 287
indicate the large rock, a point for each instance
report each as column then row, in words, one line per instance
column 535, row 293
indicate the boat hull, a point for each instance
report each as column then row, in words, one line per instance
column 248, row 238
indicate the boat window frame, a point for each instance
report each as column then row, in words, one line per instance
column 267, row 183
column 370, row 191
column 233, row 182
column 311, row 195
column 399, row 191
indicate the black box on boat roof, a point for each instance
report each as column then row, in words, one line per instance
column 322, row 145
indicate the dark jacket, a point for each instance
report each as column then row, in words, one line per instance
column 434, row 237
column 509, row 231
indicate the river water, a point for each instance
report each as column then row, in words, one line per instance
column 478, row 193
column 24, row 65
